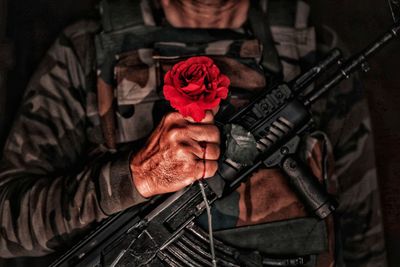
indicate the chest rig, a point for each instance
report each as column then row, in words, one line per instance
column 136, row 48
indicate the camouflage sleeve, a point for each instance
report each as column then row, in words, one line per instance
column 346, row 120
column 52, row 183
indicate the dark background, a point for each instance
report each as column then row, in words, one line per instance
column 28, row 27
column 358, row 22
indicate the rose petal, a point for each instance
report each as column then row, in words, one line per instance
column 213, row 72
column 195, row 111
column 222, row 92
column 200, row 60
column 167, row 78
column 175, row 97
column 224, row 81
column 210, row 104
column 194, row 86
column 192, row 90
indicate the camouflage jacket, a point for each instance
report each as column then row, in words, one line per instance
column 58, row 179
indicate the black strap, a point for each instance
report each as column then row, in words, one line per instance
column 120, row 14
column 259, row 23
column 302, row 236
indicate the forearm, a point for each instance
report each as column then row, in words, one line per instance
column 54, row 180
column 41, row 213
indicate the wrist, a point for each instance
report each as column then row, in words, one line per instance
column 139, row 181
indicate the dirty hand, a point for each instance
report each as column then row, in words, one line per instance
column 178, row 152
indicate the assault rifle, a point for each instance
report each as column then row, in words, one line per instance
column 163, row 230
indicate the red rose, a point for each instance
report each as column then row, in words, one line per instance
column 194, row 86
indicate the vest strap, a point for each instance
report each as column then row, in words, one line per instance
column 120, row 14
column 260, row 26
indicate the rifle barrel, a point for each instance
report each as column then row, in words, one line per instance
column 301, row 83
column 356, row 63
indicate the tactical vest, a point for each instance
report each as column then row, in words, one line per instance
column 137, row 47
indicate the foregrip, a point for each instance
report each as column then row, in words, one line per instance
column 308, row 188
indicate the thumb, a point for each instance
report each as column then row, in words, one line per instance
column 209, row 118
column 210, row 114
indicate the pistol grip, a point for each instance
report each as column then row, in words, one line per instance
column 308, row 188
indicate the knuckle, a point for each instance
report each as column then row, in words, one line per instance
column 190, row 128
column 214, row 128
column 214, row 167
column 214, row 131
column 181, row 152
column 173, row 118
column 213, row 151
column 173, row 135
column 170, row 117
column 198, row 169
column 217, row 152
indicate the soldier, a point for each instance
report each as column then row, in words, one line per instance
column 76, row 153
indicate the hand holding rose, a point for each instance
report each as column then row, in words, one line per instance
column 182, row 150
column 174, row 158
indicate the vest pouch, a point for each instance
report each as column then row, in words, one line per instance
column 237, row 59
column 139, row 78
column 298, row 237
column 136, row 95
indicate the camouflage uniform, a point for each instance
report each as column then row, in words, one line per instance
column 59, row 177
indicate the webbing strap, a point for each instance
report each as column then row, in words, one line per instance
column 124, row 17
column 260, row 26
column 120, row 14
column 302, row 236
